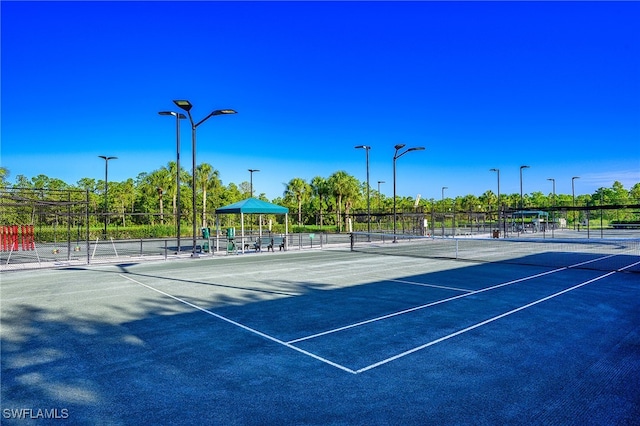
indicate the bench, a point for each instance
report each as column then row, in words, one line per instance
column 256, row 245
column 260, row 242
column 273, row 241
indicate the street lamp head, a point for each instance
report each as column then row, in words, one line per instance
column 223, row 111
column 363, row 147
column 417, row 148
column 183, row 104
column 107, row 158
column 494, row 170
column 399, row 146
column 179, row 115
column 575, row 177
column 253, row 170
column 524, row 167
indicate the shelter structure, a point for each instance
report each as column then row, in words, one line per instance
column 537, row 216
column 254, row 206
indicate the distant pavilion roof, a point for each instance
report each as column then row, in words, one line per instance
column 529, row 213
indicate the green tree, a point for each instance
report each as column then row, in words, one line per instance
column 618, row 194
column 342, row 186
column 207, row 179
column 634, row 193
column 123, row 197
column 172, row 188
column 297, row 189
column 4, row 175
column 320, row 189
column 153, row 186
column 489, row 201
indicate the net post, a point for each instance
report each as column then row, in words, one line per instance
column 351, row 238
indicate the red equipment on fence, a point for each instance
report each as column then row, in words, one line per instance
column 4, row 237
column 14, row 236
column 28, row 241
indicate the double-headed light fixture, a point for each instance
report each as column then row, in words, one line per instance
column 395, row 157
column 186, row 106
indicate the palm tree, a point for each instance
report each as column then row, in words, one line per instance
column 154, row 184
column 342, row 185
column 172, row 188
column 320, row 188
column 297, row 188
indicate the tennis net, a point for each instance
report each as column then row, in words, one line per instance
column 605, row 255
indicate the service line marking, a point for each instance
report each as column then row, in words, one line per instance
column 428, row 305
column 480, row 324
column 242, row 326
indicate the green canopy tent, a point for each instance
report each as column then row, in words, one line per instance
column 254, row 206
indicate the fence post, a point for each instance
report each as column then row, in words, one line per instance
column 86, row 218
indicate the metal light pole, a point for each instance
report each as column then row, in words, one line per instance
column 395, row 157
column 106, row 189
column 367, row 148
column 601, row 203
column 521, row 198
column 251, row 171
column 379, row 182
column 443, row 209
column 186, row 105
column 499, row 206
column 573, row 196
column 553, row 215
column 179, row 116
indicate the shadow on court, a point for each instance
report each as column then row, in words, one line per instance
column 572, row 359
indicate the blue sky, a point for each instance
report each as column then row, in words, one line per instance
column 552, row 85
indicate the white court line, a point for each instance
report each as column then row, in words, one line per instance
column 470, row 293
column 466, row 290
column 592, row 260
column 244, row 327
column 428, row 305
column 480, row 324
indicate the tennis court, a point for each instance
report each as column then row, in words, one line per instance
column 328, row 337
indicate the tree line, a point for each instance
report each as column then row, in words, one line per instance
column 152, row 198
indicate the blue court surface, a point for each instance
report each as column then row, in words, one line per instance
column 328, row 337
